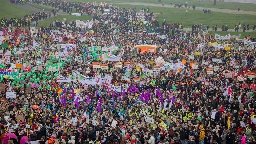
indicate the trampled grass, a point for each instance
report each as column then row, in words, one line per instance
column 8, row 10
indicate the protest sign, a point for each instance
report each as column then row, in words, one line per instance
column 117, row 88
column 219, row 37
column 209, row 71
column 11, row 95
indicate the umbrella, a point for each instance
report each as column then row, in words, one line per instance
column 23, row 140
column 7, row 137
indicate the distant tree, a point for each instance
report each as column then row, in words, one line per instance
column 159, row 0
column 214, row 2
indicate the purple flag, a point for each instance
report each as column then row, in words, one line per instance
column 123, row 93
column 99, row 108
column 135, row 89
column 64, row 91
column 147, row 97
column 173, row 99
column 76, row 103
column 62, row 100
column 158, row 94
column 99, row 105
column 65, row 101
column 88, row 100
column 118, row 96
column 129, row 89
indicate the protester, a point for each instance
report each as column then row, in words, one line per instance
column 99, row 81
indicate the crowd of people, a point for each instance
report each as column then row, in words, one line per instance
column 27, row 21
column 115, row 79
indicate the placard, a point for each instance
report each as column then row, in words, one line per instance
column 11, row 95
column 194, row 66
column 228, row 75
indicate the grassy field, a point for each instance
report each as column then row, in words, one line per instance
column 9, row 10
column 61, row 18
column 197, row 3
column 197, row 17
column 187, row 19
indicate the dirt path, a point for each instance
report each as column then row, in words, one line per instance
column 197, row 8
column 28, row 7
column 34, row 9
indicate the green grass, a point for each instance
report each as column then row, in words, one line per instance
column 61, row 18
column 9, row 10
column 197, row 17
column 41, row 7
column 207, row 4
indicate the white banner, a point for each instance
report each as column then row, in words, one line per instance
column 11, row 95
column 219, row 37
column 76, row 14
column 98, row 80
column 117, row 88
column 66, row 47
column 107, row 57
column 63, row 79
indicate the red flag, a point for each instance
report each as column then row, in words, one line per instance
column 230, row 92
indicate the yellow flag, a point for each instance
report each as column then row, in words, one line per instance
column 228, row 122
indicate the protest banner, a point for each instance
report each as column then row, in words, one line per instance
column 63, row 79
